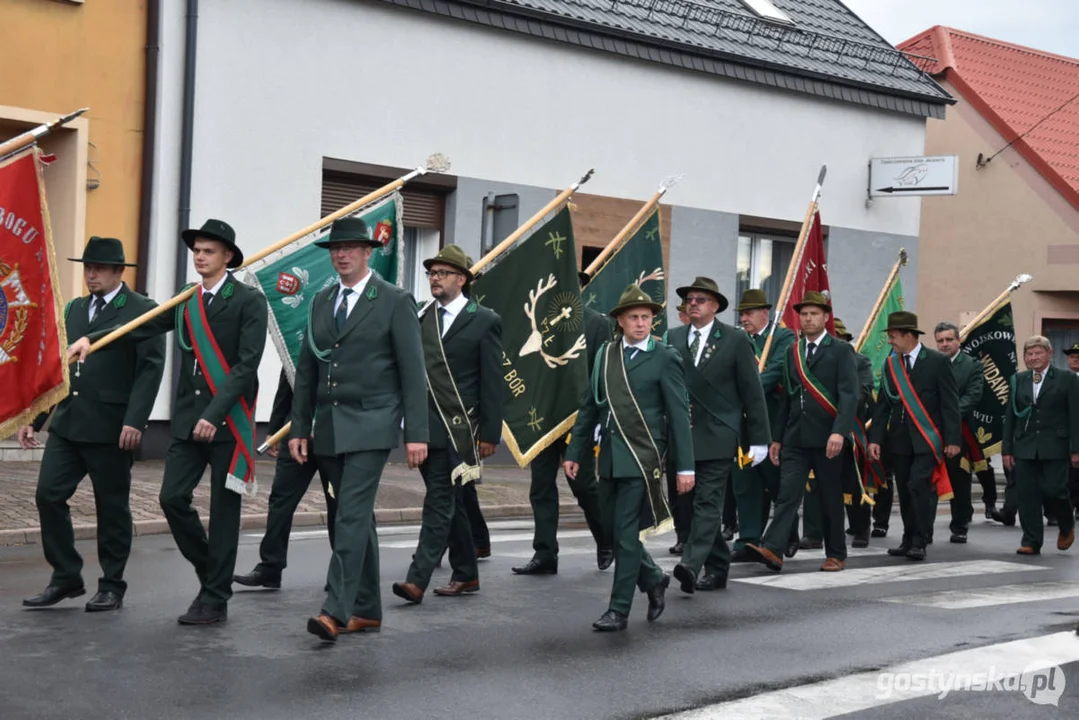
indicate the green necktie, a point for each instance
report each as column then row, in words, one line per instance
column 695, row 345
column 341, row 315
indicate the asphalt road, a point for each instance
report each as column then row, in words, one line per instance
column 523, row 647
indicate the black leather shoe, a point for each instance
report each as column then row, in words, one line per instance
column 105, row 601
column 741, row 555
column 1005, row 517
column 604, row 558
column 901, row 551
column 52, row 595
column 808, row 543
column 958, row 538
column 611, row 621
column 710, row 581
column 792, row 548
column 879, row 532
column 201, row 614
column 687, row 579
column 657, row 598
column 678, row 548
column 728, row 532
column 916, row 554
column 861, row 540
column 929, row 539
column 259, row 577
column 537, row 567
column 990, row 511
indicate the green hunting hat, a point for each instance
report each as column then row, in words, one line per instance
column 814, row 299
column 841, row 331
column 903, row 320
column 754, row 300
column 220, row 231
column 349, row 229
column 455, row 257
column 633, row 297
column 707, row 285
column 1074, row 349
column 103, row 251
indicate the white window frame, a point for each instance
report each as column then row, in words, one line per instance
column 768, row 11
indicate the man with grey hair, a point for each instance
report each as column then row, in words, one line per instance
column 969, row 382
column 1041, row 436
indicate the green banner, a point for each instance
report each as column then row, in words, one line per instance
column 992, row 341
column 640, row 261
column 291, row 278
column 876, row 346
column 534, row 289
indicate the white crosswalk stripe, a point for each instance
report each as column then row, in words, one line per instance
column 907, row 571
column 986, row 597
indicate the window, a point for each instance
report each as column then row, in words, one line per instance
column 762, row 263
column 768, row 11
column 420, row 243
column 499, row 219
column 589, row 253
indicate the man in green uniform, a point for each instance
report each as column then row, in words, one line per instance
column 1041, row 439
column 813, row 423
column 917, row 412
column 95, row 431
column 1073, row 472
column 462, row 347
column 637, row 403
column 756, row 488
column 725, row 395
column 221, row 330
column 543, row 492
column 969, row 383
column 361, row 370
column 681, row 503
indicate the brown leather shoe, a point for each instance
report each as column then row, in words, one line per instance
column 357, row 624
column 456, row 587
column 483, row 552
column 408, row 591
column 1065, row 541
column 769, row 558
column 324, row 627
column 833, row 565
column 1027, row 550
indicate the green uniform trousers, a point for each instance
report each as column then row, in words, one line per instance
column 961, row 505
column 706, row 547
column 444, row 521
column 543, row 495
column 621, row 501
column 213, row 556
column 795, row 465
column 290, row 483
column 1039, row 482
column 859, row 513
column 353, row 575
column 63, row 466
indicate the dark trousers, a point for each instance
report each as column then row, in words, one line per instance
column 730, row 507
column 481, row 535
column 961, row 505
column 353, row 575
column 681, row 505
column 1038, row 483
column 621, row 500
column 988, row 480
column 63, row 467
column 213, row 555
column 756, row 490
column 882, row 510
column 290, row 483
column 706, row 547
column 1073, row 486
column 794, row 467
column 441, row 519
column 543, row 495
column 917, row 496
column 859, row 512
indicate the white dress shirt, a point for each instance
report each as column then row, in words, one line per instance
column 452, row 309
column 1038, row 385
column 913, row 355
column 107, row 297
column 356, row 289
column 815, row 342
column 215, row 288
column 705, row 332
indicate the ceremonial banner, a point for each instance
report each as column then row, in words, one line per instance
column 992, row 341
column 639, row 260
column 292, row 277
column 33, row 373
column 811, row 275
column 876, row 346
column 534, row 288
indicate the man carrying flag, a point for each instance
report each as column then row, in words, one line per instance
column 917, row 412
column 221, row 331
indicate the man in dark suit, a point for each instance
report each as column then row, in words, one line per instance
column 462, row 346
column 95, row 431
column 638, row 399
column 681, row 503
column 222, row 336
column 969, row 383
column 1073, row 472
column 1041, row 439
column 917, row 412
column 543, row 492
column 724, row 393
column 290, row 483
column 813, row 423
column 361, row 370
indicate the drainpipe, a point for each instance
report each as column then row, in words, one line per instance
column 149, row 140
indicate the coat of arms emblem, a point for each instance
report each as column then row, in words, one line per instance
column 14, row 312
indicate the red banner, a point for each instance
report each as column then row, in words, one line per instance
column 32, row 338
column 811, row 275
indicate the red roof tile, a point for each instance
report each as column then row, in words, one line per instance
column 1014, row 87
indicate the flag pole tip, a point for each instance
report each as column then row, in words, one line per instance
column 586, row 177
column 669, row 182
column 823, row 172
column 903, row 256
column 1023, row 278
column 437, row 163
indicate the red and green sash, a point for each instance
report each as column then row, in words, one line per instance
column 241, row 417
column 923, row 422
column 820, row 394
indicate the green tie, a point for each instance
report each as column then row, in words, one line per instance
column 341, row 315
column 695, row 345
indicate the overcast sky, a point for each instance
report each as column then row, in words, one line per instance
column 1050, row 25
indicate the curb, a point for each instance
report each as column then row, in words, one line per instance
column 385, row 516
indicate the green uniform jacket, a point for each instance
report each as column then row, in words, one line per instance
column 969, row 382
column 772, row 375
column 866, row 384
column 729, row 378
column 656, row 379
column 237, row 318
column 934, row 383
column 473, row 347
column 801, row 421
column 598, row 329
column 1051, row 429
column 372, row 374
column 117, row 385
